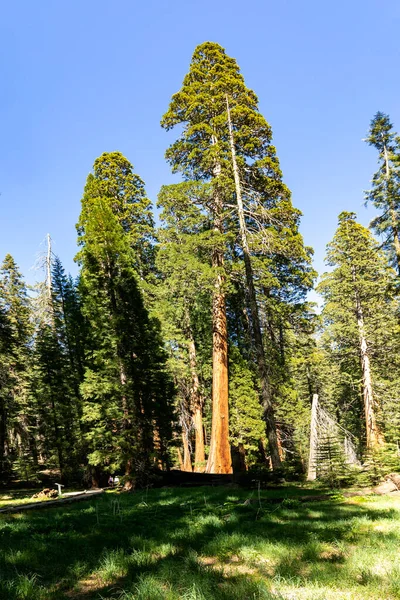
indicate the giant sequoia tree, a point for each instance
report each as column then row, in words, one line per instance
column 226, row 143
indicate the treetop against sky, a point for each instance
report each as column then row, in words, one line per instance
column 84, row 78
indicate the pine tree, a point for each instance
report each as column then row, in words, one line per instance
column 385, row 192
column 15, row 428
column 57, row 372
column 359, row 316
column 5, row 335
column 69, row 323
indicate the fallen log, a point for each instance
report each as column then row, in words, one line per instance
column 76, row 497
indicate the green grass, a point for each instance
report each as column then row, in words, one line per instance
column 19, row 496
column 203, row 544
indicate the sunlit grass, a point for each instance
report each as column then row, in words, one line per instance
column 204, row 544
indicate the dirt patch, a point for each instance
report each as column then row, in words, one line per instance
column 86, row 586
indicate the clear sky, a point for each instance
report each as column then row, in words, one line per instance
column 83, row 77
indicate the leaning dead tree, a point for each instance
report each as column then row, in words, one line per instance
column 268, row 409
column 43, row 302
column 327, row 437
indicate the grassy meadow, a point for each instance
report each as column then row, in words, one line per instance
column 202, row 544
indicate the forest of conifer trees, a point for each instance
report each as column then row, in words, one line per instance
column 192, row 344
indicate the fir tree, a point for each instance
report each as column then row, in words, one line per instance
column 16, row 428
column 58, row 370
column 385, row 192
column 359, row 316
column 126, row 389
column 113, row 178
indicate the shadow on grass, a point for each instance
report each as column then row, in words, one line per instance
column 197, row 544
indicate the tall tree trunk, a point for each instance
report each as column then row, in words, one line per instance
column 196, row 402
column 268, row 409
column 3, row 436
column 219, row 459
column 312, row 457
column 126, row 422
column 393, row 216
column 186, row 463
column 373, row 434
column 58, row 443
column 180, row 459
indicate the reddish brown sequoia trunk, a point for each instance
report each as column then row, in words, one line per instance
column 219, row 459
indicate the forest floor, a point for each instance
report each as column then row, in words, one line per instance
column 17, row 496
column 204, row 543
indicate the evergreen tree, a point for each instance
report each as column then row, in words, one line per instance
column 113, row 178
column 246, row 425
column 58, row 353
column 184, row 287
column 385, row 192
column 226, row 142
column 126, row 390
column 359, row 317
column 16, row 440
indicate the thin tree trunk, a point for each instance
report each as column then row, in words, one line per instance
column 126, row 422
column 187, row 463
column 48, row 268
column 312, row 458
column 180, row 459
column 196, row 407
column 58, row 437
column 219, row 459
column 3, row 436
column 268, row 409
column 373, row 434
column 393, row 216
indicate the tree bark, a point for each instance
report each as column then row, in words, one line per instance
column 219, row 459
column 312, row 458
column 393, row 216
column 268, row 409
column 186, row 463
column 373, row 434
column 197, row 408
column 3, row 435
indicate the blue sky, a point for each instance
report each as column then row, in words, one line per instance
column 79, row 78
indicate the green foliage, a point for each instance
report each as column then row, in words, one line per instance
column 57, row 371
column 126, row 390
column 246, row 425
column 378, row 464
column 280, row 262
column 16, row 442
column 385, row 191
column 113, row 178
column 331, row 462
column 360, row 271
